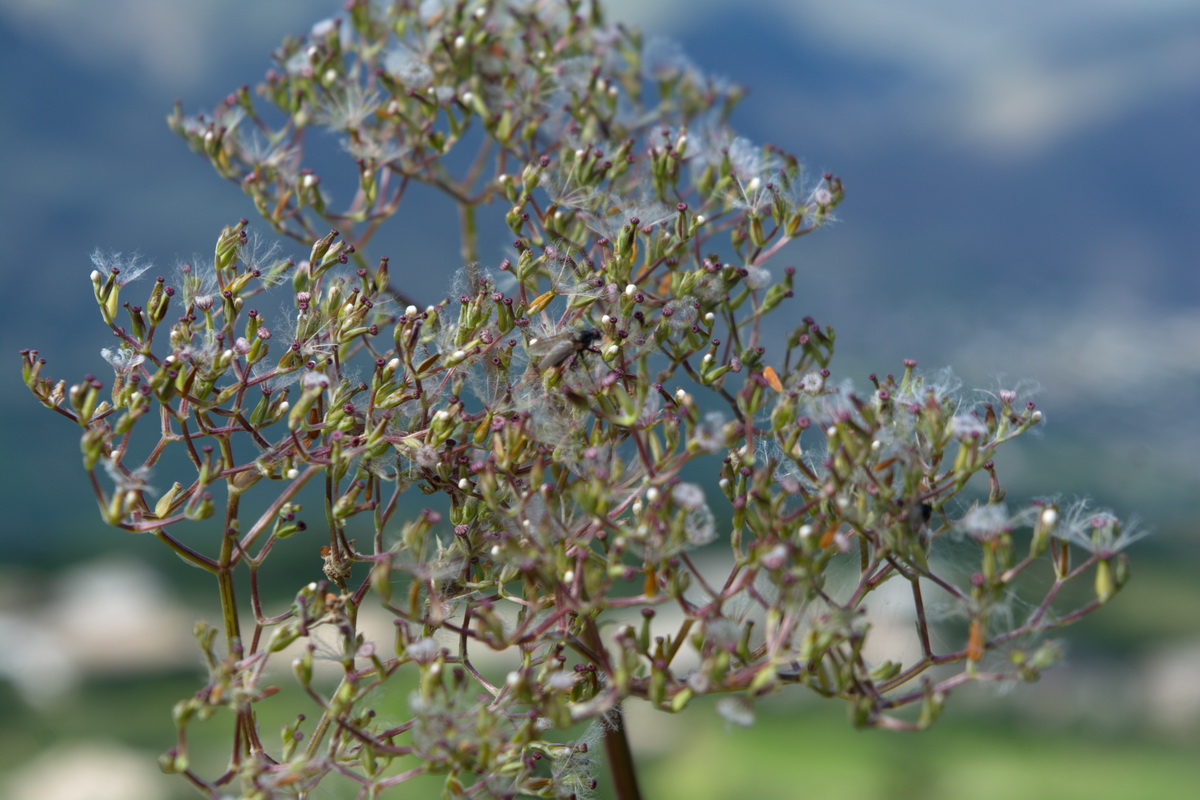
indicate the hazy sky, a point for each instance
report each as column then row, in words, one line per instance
column 1022, row 176
column 1012, row 76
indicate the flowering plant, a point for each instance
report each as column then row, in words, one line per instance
column 588, row 416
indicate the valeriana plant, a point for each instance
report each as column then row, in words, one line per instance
column 554, row 404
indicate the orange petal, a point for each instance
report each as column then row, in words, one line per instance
column 773, row 379
column 975, row 641
column 540, row 302
column 827, row 536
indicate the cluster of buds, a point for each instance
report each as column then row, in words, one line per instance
column 553, row 406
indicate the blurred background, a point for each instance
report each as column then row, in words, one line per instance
column 1023, row 190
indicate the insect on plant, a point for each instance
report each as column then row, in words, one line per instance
column 554, row 350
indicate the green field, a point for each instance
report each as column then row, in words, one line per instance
column 796, row 749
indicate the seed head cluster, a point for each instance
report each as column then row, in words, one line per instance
column 532, row 477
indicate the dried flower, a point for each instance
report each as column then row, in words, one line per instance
column 611, row 399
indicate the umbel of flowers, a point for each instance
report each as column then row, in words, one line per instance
column 547, row 412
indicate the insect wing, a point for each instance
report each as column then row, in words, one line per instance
column 551, row 351
column 554, row 350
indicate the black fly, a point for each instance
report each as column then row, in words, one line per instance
column 554, row 350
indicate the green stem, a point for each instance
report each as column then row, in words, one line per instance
column 225, row 564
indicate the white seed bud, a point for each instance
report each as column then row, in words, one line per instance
column 630, row 290
column 464, row 484
column 292, row 474
column 569, row 576
column 1049, row 517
